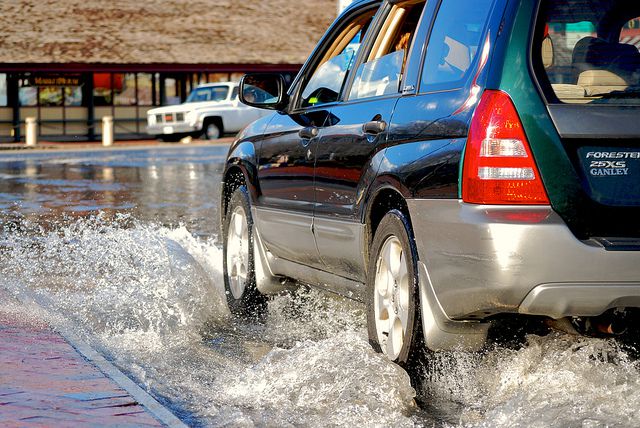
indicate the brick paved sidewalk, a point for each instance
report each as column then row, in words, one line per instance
column 45, row 382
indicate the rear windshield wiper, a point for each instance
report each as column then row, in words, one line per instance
column 628, row 93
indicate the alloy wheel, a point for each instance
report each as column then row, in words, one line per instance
column 238, row 252
column 391, row 297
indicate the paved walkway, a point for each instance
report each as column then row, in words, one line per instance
column 45, row 382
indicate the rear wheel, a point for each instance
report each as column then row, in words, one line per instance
column 392, row 286
column 170, row 138
column 243, row 297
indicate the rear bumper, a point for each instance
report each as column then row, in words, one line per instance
column 484, row 260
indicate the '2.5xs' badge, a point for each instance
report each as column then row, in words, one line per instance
column 604, row 164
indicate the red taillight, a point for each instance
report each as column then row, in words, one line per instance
column 498, row 164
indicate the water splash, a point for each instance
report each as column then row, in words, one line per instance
column 151, row 298
column 119, row 280
column 554, row 381
column 308, row 314
column 336, row 381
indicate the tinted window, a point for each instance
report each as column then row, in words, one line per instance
column 589, row 51
column 454, row 43
column 325, row 84
column 381, row 73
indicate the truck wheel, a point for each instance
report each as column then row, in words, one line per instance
column 171, row 138
column 393, row 318
column 243, row 297
column 212, row 131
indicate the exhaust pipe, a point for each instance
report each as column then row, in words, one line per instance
column 614, row 327
column 611, row 323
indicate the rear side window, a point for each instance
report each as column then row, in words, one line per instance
column 454, row 43
column 588, row 51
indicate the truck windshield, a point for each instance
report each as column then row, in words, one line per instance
column 590, row 51
column 212, row 93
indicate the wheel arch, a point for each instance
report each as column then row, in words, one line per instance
column 386, row 195
column 439, row 332
column 240, row 170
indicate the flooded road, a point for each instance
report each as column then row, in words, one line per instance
column 122, row 246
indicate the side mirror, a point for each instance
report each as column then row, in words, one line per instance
column 263, row 90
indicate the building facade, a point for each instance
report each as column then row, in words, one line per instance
column 73, row 62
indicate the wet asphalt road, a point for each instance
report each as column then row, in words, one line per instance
column 122, row 245
column 166, row 184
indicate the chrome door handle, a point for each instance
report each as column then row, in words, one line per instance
column 374, row 127
column 308, row 132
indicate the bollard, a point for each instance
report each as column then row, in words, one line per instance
column 32, row 131
column 107, row 131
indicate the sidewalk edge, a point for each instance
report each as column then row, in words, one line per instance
column 146, row 400
column 152, row 405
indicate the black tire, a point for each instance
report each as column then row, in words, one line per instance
column 394, row 230
column 629, row 340
column 211, row 130
column 170, row 138
column 248, row 303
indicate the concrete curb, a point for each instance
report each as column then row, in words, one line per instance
column 150, row 404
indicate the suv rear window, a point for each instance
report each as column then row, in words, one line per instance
column 589, row 51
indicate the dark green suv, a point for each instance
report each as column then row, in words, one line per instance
column 452, row 163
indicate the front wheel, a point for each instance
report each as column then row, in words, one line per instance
column 243, row 297
column 169, row 138
column 212, row 131
column 392, row 290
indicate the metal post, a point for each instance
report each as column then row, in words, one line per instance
column 107, row 131
column 32, row 131
column 14, row 103
column 87, row 99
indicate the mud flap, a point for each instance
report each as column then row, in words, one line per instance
column 266, row 281
column 440, row 332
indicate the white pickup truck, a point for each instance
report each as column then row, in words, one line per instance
column 210, row 111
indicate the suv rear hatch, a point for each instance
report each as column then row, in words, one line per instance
column 586, row 59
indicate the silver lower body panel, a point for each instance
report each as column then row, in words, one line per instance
column 484, row 260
